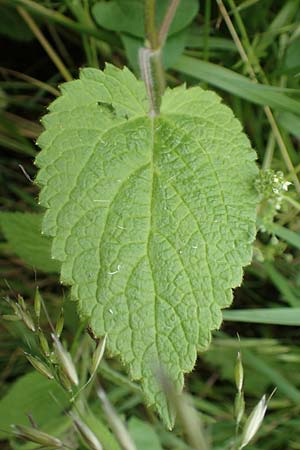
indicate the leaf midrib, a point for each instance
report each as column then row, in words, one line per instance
column 152, row 122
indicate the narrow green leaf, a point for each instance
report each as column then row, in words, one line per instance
column 292, row 55
column 143, row 435
column 290, row 122
column 237, row 84
column 275, row 376
column 289, row 236
column 23, row 232
column 196, row 39
column 282, row 284
column 102, row 431
column 275, row 316
column 152, row 218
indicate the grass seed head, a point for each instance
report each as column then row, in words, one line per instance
column 43, row 343
column 37, row 303
column 27, row 319
column 21, row 303
column 10, row 317
column 39, row 366
column 87, row 435
column 254, row 421
column 239, row 372
column 98, row 355
column 239, row 407
column 65, row 361
column 35, row 435
column 60, row 323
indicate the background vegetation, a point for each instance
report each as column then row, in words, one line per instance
column 249, row 52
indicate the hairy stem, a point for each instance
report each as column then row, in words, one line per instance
column 153, row 76
column 150, row 58
column 163, row 32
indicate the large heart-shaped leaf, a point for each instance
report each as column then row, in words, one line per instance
column 152, row 218
column 128, row 15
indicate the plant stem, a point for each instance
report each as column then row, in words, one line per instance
column 150, row 26
column 163, row 32
column 150, row 61
column 150, row 58
column 268, row 156
column 207, row 15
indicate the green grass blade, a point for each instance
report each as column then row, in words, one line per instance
column 237, row 84
column 279, row 380
column 290, row 122
column 287, row 235
column 195, row 39
column 273, row 316
column 282, row 285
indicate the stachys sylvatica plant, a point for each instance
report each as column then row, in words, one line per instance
column 151, row 204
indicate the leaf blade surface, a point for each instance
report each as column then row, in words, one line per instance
column 152, row 218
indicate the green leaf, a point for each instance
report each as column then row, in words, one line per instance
column 152, row 218
column 29, row 395
column 143, row 435
column 292, row 55
column 101, row 431
column 290, row 122
column 23, row 233
column 196, row 39
column 127, row 18
column 128, row 15
column 12, row 25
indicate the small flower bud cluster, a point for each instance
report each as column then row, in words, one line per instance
column 35, row 435
column 272, row 188
column 271, row 185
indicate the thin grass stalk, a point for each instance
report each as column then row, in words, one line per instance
column 57, row 17
column 45, row 44
column 30, row 80
column 267, row 109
